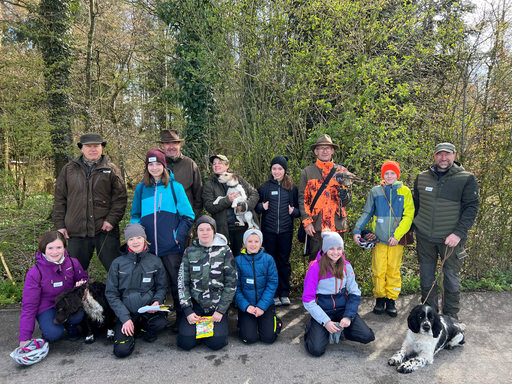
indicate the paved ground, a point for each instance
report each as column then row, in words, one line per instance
column 485, row 358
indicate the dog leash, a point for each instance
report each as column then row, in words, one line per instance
column 104, row 241
column 446, row 256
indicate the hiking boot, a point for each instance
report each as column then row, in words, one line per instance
column 285, row 301
column 74, row 333
column 390, row 307
column 277, row 302
column 379, row 306
column 149, row 339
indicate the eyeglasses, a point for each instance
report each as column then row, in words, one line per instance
column 324, row 149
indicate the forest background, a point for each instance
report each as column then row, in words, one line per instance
column 386, row 79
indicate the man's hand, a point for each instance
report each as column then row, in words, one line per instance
column 232, row 196
column 107, row 226
column 64, row 231
column 452, row 241
column 310, row 231
column 128, row 328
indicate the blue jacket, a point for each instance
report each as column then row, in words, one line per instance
column 166, row 223
column 325, row 296
column 277, row 219
column 257, row 280
column 377, row 210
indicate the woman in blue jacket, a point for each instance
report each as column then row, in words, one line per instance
column 161, row 206
column 257, row 283
column 279, row 205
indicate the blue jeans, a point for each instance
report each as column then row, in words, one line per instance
column 52, row 331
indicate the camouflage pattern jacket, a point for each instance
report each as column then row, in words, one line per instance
column 207, row 275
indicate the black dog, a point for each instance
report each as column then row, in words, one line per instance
column 428, row 333
column 91, row 298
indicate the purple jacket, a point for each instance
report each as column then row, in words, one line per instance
column 43, row 283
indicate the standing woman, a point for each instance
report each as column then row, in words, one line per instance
column 207, row 285
column 161, row 206
column 279, row 205
column 222, row 212
column 53, row 273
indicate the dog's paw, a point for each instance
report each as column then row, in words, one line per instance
column 217, row 200
column 396, row 359
column 89, row 339
column 405, row 368
column 393, row 361
column 110, row 335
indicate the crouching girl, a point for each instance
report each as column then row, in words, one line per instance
column 332, row 297
column 136, row 279
column 257, row 284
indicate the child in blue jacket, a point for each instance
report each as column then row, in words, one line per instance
column 257, row 284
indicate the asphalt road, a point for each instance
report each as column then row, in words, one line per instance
column 485, row 358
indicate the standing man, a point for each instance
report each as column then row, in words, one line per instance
column 324, row 210
column 446, row 201
column 185, row 170
column 90, row 200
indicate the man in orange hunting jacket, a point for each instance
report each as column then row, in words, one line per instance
column 329, row 211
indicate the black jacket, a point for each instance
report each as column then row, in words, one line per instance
column 277, row 218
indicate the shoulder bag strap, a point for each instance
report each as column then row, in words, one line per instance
column 324, row 185
column 390, row 207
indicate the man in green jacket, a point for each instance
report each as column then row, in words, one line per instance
column 90, row 200
column 446, row 204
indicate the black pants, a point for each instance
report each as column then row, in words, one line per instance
column 172, row 265
column 279, row 246
column 315, row 244
column 236, row 239
column 187, row 333
column 253, row 328
column 106, row 244
column 147, row 324
column 316, row 337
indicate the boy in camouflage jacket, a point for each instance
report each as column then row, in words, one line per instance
column 206, row 283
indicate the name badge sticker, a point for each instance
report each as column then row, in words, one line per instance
column 146, row 280
column 196, row 269
column 380, row 220
column 57, row 284
column 274, row 193
column 106, row 171
column 429, row 189
column 151, row 159
column 249, row 281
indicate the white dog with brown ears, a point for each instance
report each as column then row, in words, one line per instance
column 231, row 180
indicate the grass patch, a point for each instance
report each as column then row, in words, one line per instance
column 10, row 293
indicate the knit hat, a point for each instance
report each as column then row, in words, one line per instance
column 91, row 138
column 331, row 240
column 220, row 157
column 282, row 161
column 253, row 231
column 156, row 154
column 446, row 147
column 390, row 166
column 206, row 219
column 133, row 230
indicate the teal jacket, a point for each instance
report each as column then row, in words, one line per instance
column 377, row 209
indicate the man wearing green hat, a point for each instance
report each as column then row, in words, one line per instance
column 90, row 200
column 446, row 201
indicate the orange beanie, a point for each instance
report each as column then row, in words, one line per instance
column 390, row 166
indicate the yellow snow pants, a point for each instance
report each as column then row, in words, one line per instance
column 386, row 263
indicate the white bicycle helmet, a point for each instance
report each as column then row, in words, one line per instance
column 367, row 240
column 32, row 352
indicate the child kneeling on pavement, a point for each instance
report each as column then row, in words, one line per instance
column 136, row 279
column 257, row 284
column 332, row 297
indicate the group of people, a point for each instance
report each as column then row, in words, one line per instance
column 229, row 261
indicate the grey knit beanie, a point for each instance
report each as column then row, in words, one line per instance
column 133, row 230
column 207, row 219
column 330, row 240
column 253, row 231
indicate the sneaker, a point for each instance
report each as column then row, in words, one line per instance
column 379, row 306
column 390, row 307
column 277, row 302
column 285, row 301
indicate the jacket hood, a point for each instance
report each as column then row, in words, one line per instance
column 125, row 252
column 397, row 185
column 256, row 256
column 41, row 260
column 219, row 240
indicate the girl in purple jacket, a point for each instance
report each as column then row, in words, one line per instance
column 53, row 273
column 332, row 297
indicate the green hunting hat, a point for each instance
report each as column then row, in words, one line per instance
column 446, row 147
column 220, row 157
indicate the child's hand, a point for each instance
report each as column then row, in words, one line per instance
column 217, row 317
column 80, row 282
column 392, row 242
column 128, row 328
column 356, row 238
column 290, row 209
column 345, row 322
column 155, row 303
column 22, row 343
column 258, row 312
column 250, row 309
column 265, row 205
column 192, row 318
column 332, row 327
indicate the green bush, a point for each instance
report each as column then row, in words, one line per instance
column 10, row 292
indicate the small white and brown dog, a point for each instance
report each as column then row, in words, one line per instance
column 231, row 180
column 428, row 333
